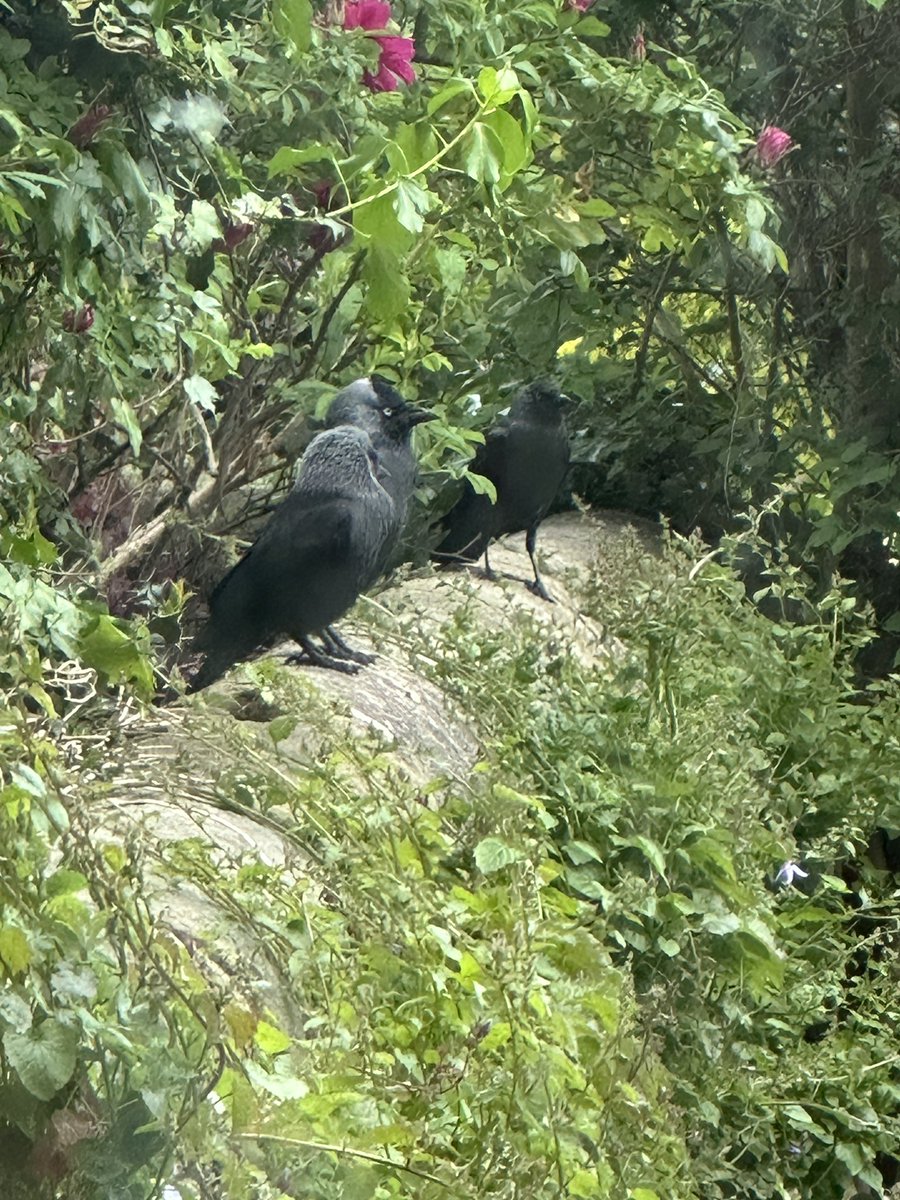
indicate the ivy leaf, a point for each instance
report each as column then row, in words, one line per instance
column 43, row 1057
column 493, row 854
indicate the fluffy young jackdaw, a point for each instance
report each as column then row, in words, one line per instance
column 375, row 405
column 314, row 557
column 525, row 456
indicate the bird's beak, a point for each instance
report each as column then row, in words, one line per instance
column 418, row 416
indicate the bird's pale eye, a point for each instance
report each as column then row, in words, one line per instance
column 388, row 412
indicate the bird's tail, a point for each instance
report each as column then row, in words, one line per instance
column 212, row 668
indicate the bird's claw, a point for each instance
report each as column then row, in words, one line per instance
column 536, row 587
column 336, row 647
column 304, row 658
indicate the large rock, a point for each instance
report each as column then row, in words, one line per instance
column 232, row 776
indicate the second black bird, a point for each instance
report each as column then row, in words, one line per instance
column 317, row 553
column 525, row 456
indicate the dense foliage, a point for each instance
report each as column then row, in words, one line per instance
column 210, row 212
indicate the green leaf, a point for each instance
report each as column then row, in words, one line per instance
column 580, row 852
column 125, row 416
column 592, row 27
column 483, row 154
column 201, row 392
column 584, row 1184
column 516, row 153
column 377, row 222
column 271, row 1039
column 293, row 20
column 15, row 952
column 720, row 924
column 498, row 87
column 281, row 1084
column 482, row 486
column 113, row 651
column 648, row 848
column 282, row 727
column 386, row 286
column 285, row 160
column 756, row 213
column 43, row 1057
column 415, row 145
column 410, row 202
column 64, row 883
column 596, row 207
column 656, row 237
column 450, row 90
column 493, row 854
column 498, row 1035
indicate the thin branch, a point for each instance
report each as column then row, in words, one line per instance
column 640, row 359
column 350, row 1151
column 328, row 315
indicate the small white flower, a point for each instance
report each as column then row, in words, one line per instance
column 789, row 872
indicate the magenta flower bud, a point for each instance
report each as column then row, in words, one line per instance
column 772, row 145
column 80, row 321
column 89, row 125
column 232, row 236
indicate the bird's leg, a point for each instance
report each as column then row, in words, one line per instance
column 537, row 584
column 488, row 573
column 318, row 658
column 336, row 646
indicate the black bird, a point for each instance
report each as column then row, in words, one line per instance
column 525, row 456
column 375, row 405
column 312, row 560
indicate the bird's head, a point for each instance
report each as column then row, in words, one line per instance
column 542, row 400
column 374, row 404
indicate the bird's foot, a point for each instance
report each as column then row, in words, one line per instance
column 312, row 656
column 536, row 587
column 336, row 647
